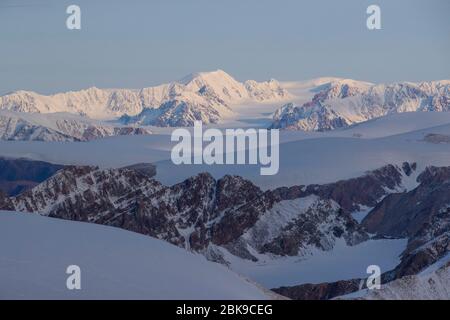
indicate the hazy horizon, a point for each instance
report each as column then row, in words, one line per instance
column 139, row 44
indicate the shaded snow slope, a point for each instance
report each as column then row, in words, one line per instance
column 341, row 103
column 22, row 126
column 115, row 264
column 432, row 284
column 205, row 96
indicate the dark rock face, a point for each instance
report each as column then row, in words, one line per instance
column 213, row 211
column 415, row 261
column 322, row 291
column 4, row 202
column 437, row 138
column 130, row 131
column 318, row 227
column 409, row 168
column 230, row 212
column 93, row 132
column 18, row 175
column 87, row 194
column 208, row 216
column 366, row 190
column 421, row 214
column 350, row 194
column 147, row 169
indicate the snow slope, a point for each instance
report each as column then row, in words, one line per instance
column 345, row 102
column 115, row 264
column 205, row 96
column 327, row 159
column 341, row 263
column 58, row 127
column 431, row 284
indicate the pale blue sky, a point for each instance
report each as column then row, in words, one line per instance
column 138, row 43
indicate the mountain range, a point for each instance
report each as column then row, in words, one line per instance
column 342, row 103
column 212, row 97
column 206, row 96
column 232, row 221
column 59, row 127
column 323, row 208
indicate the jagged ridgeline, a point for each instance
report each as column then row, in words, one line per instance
column 341, row 103
column 206, row 97
column 231, row 217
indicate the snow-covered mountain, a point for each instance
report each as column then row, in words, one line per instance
column 342, row 103
column 265, row 235
column 94, row 102
column 204, row 96
column 208, row 97
column 180, row 112
column 58, row 127
column 229, row 216
column 114, row 264
column 431, row 284
column 420, row 215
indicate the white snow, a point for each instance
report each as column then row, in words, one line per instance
column 305, row 157
column 115, row 264
column 327, row 159
column 212, row 93
column 361, row 214
column 341, row 263
column 431, row 284
column 345, row 102
column 23, row 126
column 271, row 222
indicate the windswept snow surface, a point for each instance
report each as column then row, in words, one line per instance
column 35, row 252
column 305, row 157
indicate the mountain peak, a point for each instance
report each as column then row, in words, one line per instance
column 344, row 102
column 206, row 76
column 205, row 96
